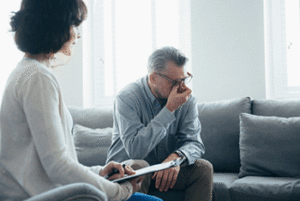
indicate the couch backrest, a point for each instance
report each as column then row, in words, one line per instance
column 279, row 108
column 92, row 117
column 219, row 121
column 220, row 128
column 220, row 132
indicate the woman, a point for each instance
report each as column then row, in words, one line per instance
column 36, row 140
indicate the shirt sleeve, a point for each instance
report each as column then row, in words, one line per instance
column 137, row 136
column 41, row 101
column 189, row 141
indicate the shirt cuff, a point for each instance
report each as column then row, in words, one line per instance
column 189, row 159
column 180, row 154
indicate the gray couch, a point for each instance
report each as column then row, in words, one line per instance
column 254, row 146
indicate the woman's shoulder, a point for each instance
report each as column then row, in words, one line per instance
column 31, row 66
column 28, row 69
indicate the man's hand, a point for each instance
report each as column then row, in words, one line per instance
column 178, row 96
column 166, row 179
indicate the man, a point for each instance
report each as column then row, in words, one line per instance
column 156, row 120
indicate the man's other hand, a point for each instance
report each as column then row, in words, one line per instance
column 166, row 179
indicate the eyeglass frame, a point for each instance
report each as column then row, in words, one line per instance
column 175, row 80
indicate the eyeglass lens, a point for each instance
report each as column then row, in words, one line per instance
column 185, row 81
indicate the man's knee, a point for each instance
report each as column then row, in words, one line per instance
column 137, row 164
column 204, row 167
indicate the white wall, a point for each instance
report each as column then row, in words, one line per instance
column 228, row 49
column 227, row 53
column 71, row 79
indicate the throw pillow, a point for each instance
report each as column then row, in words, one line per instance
column 269, row 146
column 91, row 144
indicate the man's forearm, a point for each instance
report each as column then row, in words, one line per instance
column 144, row 138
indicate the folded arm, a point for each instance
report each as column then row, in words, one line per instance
column 189, row 141
column 137, row 136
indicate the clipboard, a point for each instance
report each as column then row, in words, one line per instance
column 153, row 168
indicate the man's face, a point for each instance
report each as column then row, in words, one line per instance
column 162, row 86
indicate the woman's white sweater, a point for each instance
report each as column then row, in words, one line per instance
column 37, row 146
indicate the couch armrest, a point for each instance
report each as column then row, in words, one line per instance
column 74, row 192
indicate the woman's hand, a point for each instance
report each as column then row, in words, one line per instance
column 108, row 168
column 135, row 182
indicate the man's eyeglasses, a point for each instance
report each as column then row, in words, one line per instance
column 176, row 82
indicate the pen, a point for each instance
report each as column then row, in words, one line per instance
column 115, row 171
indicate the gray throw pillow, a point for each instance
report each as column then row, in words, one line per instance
column 269, row 146
column 220, row 132
column 91, row 144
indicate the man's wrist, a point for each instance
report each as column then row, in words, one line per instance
column 180, row 154
column 170, row 108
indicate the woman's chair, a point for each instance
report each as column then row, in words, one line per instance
column 11, row 190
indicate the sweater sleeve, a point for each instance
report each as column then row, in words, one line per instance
column 96, row 169
column 41, row 100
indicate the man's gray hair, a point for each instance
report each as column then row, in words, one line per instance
column 159, row 58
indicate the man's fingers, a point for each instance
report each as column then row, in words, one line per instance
column 169, row 181
column 153, row 177
column 158, row 179
column 186, row 94
column 175, row 89
column 164, row 181
column 187, row 91
column 174, row 180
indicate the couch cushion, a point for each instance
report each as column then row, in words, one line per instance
column 269, row 146
column 220, row 132
column 265, row 189
column 222, row 184
column 91, row 144
column 279, row 108
column 92, row 117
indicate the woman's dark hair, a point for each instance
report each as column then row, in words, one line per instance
column 43, row 26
